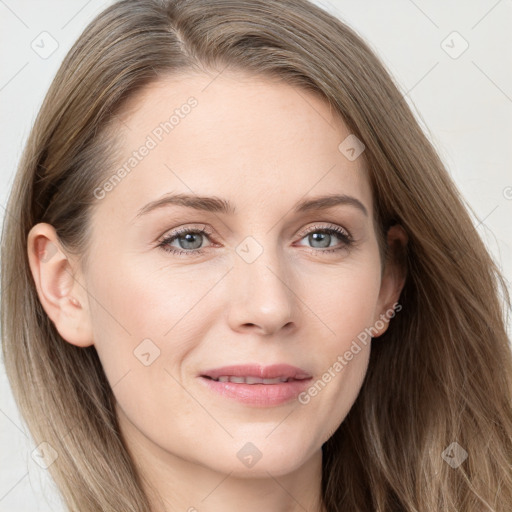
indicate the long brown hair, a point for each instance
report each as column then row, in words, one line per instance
column 441, row 374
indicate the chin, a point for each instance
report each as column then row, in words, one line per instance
column 259, row 459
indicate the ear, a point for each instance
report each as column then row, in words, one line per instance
column 393, row 280
column 61, row 294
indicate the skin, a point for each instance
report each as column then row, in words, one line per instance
column 263, row 145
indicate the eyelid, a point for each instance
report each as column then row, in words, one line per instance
column 200, row 228
column 317, row 227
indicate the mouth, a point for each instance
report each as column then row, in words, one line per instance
column 249, row 379
column 257, row 386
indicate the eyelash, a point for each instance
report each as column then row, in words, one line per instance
column 341, row 233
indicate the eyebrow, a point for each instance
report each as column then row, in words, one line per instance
column 218, row 205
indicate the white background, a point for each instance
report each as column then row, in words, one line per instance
column 464, row 104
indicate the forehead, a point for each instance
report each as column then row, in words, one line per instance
column 250, row 139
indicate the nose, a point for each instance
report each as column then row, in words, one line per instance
column 262, row 298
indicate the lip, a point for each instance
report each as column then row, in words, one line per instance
column 258, row 395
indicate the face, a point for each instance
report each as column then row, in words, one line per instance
column 259, row 275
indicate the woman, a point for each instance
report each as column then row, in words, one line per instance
column 247, row 278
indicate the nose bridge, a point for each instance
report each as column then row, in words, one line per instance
column 262, row 295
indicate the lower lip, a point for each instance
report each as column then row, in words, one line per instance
column 260, row 395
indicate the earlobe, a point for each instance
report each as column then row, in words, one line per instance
column 63, row 298
column 393, row 278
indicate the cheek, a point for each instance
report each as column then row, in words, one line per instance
column 145, row 324
column 146, row 320
column 344, row 300
column 347, row 310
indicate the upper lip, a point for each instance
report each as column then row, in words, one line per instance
column 263, row 372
